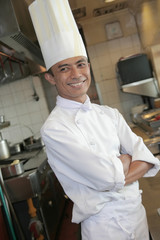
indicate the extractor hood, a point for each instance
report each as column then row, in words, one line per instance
column 16, row 30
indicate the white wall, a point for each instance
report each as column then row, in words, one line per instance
column 19, row 107
column 105, row 53
column 103, row 57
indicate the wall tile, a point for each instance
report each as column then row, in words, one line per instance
column 26, row 115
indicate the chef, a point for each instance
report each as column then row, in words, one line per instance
column 91, row 149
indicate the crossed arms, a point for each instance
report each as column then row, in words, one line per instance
column 133, row 170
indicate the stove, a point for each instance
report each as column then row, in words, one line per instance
column 39, row 183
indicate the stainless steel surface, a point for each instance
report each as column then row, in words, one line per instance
column 4, row 149
column 148, row 87
column 17, row 30
column 28, row 184
column 9, row 170
column 153, row 144
column 39, row 183
column 151, row 201
column 2, row 118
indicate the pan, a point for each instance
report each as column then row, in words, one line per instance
column 12, row 170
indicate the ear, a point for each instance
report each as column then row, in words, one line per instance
column 49, row 78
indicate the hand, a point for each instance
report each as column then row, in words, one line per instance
column 126, row 160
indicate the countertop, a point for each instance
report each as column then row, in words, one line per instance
column 151, row 202
column 150, row 196
column 28, row 184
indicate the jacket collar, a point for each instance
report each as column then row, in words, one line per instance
column 70, row 104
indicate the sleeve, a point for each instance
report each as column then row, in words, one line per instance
column 134, row 145
column 74, row 160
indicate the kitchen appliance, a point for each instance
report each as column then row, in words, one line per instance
column 12, row 170
column 17, row 32
column 135, row 75
column 4, row 148
column 39, row 183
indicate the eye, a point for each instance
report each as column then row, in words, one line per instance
column 64, row 69
column 82, row 65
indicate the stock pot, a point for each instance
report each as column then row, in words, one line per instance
column 11, row 170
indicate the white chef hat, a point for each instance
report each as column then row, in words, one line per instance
column 56, row 30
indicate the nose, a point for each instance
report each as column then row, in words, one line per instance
column 75, row 73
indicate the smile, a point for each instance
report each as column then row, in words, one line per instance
column 76, row 84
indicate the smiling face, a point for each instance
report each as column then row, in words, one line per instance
column 71, row 77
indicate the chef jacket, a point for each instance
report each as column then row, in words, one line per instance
column 83, row 142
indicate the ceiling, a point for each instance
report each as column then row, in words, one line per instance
column 83, row 9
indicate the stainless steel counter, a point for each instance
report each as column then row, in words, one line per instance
column 151, row 201
column 150, row 196
column 28, row 184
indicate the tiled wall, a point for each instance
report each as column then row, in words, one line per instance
column 103, row 57
column 104, row 53
column 26, row 115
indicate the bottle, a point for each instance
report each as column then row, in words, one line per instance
column 4, row 148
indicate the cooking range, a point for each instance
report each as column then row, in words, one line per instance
column 38, row 184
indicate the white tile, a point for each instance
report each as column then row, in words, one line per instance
column 44, row 114
column 28, row 94
column 15, row 135
column 94, row 63
column 104, row 61
column 42, row 103
column 97, row 75
column 9, row 112
column 101, row 49
column 37, row 81
column 114, row 45
column 113, row 97
column 26, row 132
column 33, row 106
column 109, row 86
column 36, row 129
column 1, row 110
column 7, row 100
column 36, row 117
column 18, row 97
column 16, row 86
column 21, row 109
column 40, row 91
column 91, row 51
column 26, row 83
column 115, row 56
column 14, row 121
column 24, row 119
column 107, row 73
column 126, row 42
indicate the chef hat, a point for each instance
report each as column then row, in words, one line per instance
column 56, row 31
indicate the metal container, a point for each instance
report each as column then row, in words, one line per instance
column 4, row 149
column 12, row 170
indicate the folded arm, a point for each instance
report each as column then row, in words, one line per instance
column 133, row 170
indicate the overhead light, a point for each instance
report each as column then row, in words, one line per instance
column 107, row 1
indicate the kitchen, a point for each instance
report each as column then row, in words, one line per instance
column 26, row 102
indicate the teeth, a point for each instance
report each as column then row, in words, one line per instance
column 76, row 84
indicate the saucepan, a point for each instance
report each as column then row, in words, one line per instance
column 12, row 170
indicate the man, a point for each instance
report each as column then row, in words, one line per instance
column 91, row 149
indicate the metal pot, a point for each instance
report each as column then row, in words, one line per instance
column 12, row 170
column 4, row 149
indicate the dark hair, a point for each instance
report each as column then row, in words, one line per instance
column 50, row 71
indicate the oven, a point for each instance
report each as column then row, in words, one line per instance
column 39, row 184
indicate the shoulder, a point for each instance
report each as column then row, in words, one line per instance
column 109, row 111
column 52, row 120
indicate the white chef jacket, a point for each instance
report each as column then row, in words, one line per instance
column 83, row 142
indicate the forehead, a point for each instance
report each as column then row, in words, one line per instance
column 69, row 61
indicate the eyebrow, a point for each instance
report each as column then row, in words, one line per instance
column 65, row 64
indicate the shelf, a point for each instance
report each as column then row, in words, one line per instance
column 4, row 125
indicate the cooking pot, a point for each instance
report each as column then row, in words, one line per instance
column 11, row 170
column 4, row 149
